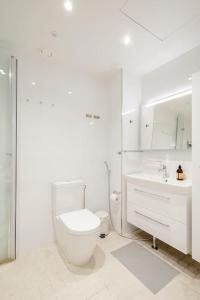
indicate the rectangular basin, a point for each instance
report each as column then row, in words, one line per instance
column 171, row 185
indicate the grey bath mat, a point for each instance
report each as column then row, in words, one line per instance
column 153, row 272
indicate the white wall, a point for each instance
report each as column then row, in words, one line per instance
column 56, row 142
column 115, row 144
column 131, row 107
column 196, row 168
column 130, row 135
column 124, row 92
column 171, row 77
column 131, row 98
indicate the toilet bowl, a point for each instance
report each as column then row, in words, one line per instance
column 79, row 233
column 76, row 230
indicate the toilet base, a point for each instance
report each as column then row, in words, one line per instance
column 102, row 236
column 78, row 249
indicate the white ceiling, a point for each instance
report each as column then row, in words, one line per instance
column 162, row 18
column 90, row 37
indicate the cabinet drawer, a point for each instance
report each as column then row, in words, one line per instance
column 167, row 205
column 171, row 232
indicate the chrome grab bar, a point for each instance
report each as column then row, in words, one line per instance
column 129, row 151
column 151, row 219
column 152, row 195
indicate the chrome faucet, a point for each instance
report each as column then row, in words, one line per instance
column 163, row 168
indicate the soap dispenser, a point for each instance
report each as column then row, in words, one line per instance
column 180, row 174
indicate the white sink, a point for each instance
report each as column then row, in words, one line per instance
column 169, row 184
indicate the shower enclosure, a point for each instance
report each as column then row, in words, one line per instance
column 8, row 137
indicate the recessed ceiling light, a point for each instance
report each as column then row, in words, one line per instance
column 127, row 40
column 2, row 72
column 190, row 78
column 69, row 92
column 33, row 83
column 68, row 5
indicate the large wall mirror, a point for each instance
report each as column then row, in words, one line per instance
column 167, row 125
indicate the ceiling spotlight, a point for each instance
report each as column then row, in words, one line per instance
column 68, row 5
column 190, row 78
column 70, row 92
column 2, row 72
column 33, row 83
column 127, row 40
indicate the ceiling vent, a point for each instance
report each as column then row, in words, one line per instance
column 162, row 18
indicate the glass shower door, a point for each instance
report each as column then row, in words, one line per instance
column 7, row 156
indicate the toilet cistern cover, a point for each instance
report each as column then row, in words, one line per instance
column 80, row 221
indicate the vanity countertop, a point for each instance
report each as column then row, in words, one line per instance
column 171, row 184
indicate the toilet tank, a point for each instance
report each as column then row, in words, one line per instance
column 67, row 196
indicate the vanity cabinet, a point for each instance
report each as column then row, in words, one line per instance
column 164, row 215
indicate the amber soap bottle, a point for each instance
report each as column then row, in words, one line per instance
column 180, row 174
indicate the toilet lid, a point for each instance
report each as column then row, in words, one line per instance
column 80, row 221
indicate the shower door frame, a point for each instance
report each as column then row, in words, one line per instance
column 11, row 255
column 13, row 97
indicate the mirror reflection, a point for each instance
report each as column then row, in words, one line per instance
column 167, row 125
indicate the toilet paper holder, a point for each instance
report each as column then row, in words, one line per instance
column 115, row 196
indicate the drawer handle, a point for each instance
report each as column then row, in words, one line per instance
column 152, row 195
column 151, row 219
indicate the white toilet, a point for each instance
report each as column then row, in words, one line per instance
column 76, row 228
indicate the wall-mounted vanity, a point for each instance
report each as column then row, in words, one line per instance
column 161, row 207
column 157, row 203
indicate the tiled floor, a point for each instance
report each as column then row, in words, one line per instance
column 43, row 275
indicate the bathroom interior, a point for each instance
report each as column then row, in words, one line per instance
column 99, row 150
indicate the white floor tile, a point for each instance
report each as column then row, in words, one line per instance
column 44, row 275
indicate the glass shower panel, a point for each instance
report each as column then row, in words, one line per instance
column 7, row 156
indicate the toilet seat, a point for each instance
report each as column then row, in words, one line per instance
column 80, row 222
